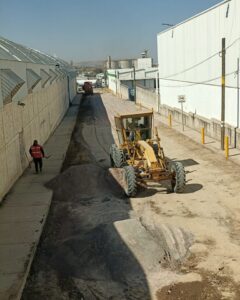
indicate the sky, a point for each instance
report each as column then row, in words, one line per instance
column 90, row 30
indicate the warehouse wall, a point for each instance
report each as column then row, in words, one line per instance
column 190, row 52
column 20, row 125
column 126, row 76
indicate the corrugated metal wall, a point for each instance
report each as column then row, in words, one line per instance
column 33, row 112
column 190, row 53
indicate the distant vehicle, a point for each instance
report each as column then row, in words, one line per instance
column 100, row 76
column 88, row 87
column 103, row 83
column 80, row 81
column 98, row 83
column 79, row 88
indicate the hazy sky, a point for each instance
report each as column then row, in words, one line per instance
column 81, row 30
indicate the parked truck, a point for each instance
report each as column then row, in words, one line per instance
column 88, row 88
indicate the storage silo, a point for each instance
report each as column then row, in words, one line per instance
column 114, row 64
column 125, row 64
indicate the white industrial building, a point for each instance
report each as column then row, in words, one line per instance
column 35, row 92
column 142, row 71
column 190, row 64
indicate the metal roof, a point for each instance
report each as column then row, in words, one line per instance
column 19, row 53
column 13, row 51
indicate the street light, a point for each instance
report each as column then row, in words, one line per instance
column 169, row 25
column 166, row 24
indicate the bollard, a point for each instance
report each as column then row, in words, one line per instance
column 203, row 135
column 226, row 147
column 170, row 120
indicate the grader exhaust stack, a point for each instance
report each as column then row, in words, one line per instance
column 141, row 156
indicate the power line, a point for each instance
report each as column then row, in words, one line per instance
column 201, row 62
column 192, row 83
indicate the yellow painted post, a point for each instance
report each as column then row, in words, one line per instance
column 170, row 120
column 203, row 135
column 227, row 147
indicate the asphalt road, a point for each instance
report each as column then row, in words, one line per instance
column 98, row 244
column 81, row 255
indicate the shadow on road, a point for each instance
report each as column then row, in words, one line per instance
column 188, row 162
column 192, row 188
column 82, row 254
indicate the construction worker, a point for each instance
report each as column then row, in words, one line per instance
column 37, row 153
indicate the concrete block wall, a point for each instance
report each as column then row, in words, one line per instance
column 124, row 92
column 212, row 126
column 149, row 99
column 20, row 125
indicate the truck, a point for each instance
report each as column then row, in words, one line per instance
column 88, row 88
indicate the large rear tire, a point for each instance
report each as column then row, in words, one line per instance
column 179, row 177
column 130, row 181
column 155, row 149
column 117, row 157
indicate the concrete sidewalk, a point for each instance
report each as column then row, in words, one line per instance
column 25, row 209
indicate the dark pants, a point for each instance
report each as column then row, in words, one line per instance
column 38, row 164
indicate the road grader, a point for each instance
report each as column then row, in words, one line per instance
column 141, row 156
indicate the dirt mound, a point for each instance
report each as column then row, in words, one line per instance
column 174, row 240
column 198, row 290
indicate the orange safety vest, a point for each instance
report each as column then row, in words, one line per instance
column 36, row 151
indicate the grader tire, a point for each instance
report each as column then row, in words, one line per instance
column 155, row 149
column 116, row 157
column 179, row 180
column 119, row 158
column 130, row 186
column 111, row 161
column 111, row 154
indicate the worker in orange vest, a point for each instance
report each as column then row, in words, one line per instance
column 37, row 153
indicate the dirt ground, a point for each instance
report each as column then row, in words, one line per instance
column 98, row 244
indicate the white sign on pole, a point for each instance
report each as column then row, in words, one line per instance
column 182, row 99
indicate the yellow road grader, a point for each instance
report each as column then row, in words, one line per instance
column 141, row 156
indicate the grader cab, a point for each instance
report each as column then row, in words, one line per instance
column 141, row 156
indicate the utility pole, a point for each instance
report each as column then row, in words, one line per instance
column 116, row 80
column 235, row 137
column 134, row 82
column 223, row 92
column 238, row 93
column 158, row 92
